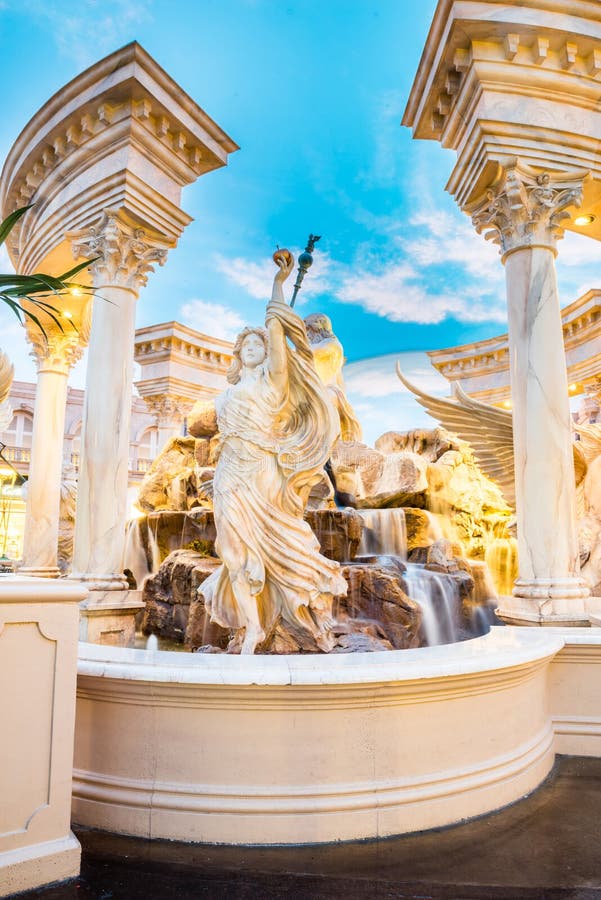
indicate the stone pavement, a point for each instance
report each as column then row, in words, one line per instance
column 547, row 847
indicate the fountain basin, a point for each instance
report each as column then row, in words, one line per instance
column 303, row 749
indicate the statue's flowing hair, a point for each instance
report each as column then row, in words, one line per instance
column 233, row 373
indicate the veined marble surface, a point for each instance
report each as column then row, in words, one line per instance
column 502, row 648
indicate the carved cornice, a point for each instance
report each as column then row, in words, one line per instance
column 126, row 255
column 526, row 208
column 81, row 136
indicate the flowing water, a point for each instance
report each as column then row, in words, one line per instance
column 502, row 560
column 384, row 531
column 438, row 597
column 141, row 557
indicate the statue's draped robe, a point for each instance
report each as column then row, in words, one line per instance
column 273, row 449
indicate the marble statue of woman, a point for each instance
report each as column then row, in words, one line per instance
column 276, row 428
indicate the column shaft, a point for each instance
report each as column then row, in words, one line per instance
column 42, row 508
column 104, row 461
column 544, row 462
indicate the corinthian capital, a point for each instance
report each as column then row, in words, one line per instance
column 526, row 207
column 55, row 351
column 168, row 409
column 125, row 255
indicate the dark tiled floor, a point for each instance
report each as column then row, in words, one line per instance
column 547, row 847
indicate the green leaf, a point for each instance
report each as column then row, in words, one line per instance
column 9, row 223
column 78, row 268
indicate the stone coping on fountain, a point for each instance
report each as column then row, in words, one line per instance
column 318, row 748
column 501, row 648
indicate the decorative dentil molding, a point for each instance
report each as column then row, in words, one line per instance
column 526, row 208
column 168, row 410
column 124, row 255
column 551, row 51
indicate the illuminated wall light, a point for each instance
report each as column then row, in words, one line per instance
column 583, row 221
column 573, row 387
column 507, row 404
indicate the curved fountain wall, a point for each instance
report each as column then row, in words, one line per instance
column 302, row 749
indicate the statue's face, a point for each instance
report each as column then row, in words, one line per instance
column 252, row 351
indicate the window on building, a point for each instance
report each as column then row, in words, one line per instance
column 18, row 433
column 148, row 446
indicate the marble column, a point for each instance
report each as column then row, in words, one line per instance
column 169, row 413
column 54, row 354
column 124, row 256
column 523, row 214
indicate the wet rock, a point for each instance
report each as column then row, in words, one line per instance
column 422, row 529
column 376, row 596
column 170, row 482
column 428, row 443
column 471, row 502
column 338, row 532
column 171, row 530
column 200, row 630
column 202, row 419
column 378, row 480
column 445, row 557
column 360, row 642
column 169, row 594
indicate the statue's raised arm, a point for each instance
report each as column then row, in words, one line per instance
column 277, row 361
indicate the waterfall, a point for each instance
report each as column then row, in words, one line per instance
column 438, row 597
column 384, row 532
column 141, row 557
column 502, row 561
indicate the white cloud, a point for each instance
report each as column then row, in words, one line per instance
column 90, row 28
column 213, row 319
column 578, row 250
column 376, row 377
column 452, row 239
column 400, row 294
column 256, row 278
column 371, row 383
column 380, row 400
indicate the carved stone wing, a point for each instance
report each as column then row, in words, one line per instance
column 487, row 429
column 7, row 371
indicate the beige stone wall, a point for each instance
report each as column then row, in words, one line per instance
column 38, row 664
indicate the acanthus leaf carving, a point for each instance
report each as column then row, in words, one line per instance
column 55, row 351
column 125, row 255
column 168, row 409
column 527, row 207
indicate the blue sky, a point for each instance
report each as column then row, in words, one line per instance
column 313, row 92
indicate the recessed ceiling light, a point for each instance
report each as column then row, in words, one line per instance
column 584, row 220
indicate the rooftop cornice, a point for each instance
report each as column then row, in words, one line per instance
column 122, row 135
column 111, row 76
column 500, row 80
column 447, row 51
column 150, row 332
column 489, row 359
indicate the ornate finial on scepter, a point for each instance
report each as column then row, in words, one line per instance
column 305, row 261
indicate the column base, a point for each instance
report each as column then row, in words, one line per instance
column 109, row 617
column 560, row 611
column 39, row 864
column 95, row 582
column 41, row 572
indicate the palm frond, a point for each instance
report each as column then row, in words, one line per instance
column 38, row 288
